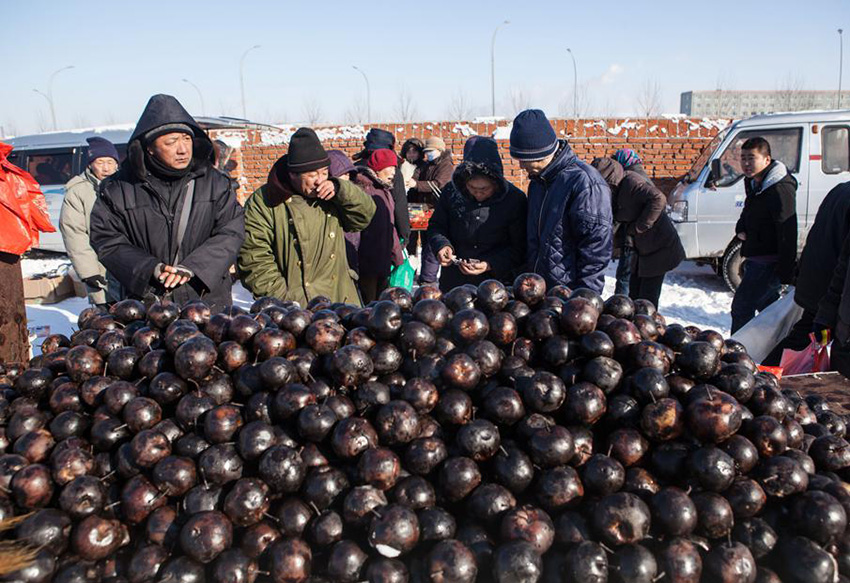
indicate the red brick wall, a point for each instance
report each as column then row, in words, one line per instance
column 668, row 147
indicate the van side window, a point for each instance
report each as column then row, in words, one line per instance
column 784, row 145
column 835, row 145
column 16, row 159
column 50, row 169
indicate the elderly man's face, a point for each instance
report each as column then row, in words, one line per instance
column 103, row 167
column 174, row 150
column 306, row 183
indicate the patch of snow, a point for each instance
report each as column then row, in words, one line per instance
column 488, row 119
column 31, row 268
column 464, row 129
column 232, row 139
column 399, row 129
column 652, row 129
column 691, row 295
column 502, row 132
column 356, row 132
column 278, row 137
column 46, row 319
column 416, row 127
column 714, row 124
column 674, row 116
column 663, row 130
column 429, row 127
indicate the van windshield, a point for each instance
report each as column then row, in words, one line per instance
column 704, row 156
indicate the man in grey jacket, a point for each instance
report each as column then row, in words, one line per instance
column 74, row 220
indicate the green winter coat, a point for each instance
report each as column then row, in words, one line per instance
column 294, row 247
column 74, row 223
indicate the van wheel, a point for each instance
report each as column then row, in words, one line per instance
column 732, row 265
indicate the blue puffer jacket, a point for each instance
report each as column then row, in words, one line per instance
column 570, row 225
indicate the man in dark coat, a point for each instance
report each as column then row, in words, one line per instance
column 768, row 229
column 832, row 320
column 168, row 223
column 816, row 266
column 569, row 207
column 638, row 208
column 480, row 216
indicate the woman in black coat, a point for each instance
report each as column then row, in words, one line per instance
column 478, row 227
column 638, row 207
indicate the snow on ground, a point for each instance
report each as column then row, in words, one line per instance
column 691, row 295
column 47, row 266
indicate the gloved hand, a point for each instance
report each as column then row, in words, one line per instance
column 96, row 282
column 822, row 333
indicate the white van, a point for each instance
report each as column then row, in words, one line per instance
column 707, row 202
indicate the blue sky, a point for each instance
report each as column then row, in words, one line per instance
column 435, row 51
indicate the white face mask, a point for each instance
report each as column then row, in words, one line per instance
column 432, row 155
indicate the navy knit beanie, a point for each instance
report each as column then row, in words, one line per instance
column 100, row 148
column 378, row 139
column 532, row 136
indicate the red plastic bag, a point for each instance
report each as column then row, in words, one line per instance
column 23, row 209
column 813, row 358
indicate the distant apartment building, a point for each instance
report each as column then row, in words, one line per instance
column 741, row 104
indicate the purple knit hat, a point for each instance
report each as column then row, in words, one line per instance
column 340, row 163
column 626, row 157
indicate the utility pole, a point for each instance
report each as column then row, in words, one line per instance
column 840, row 63
column 368, row 94
column 200, row 96
column 242, row 79
column 493, row 69
column 575, row 84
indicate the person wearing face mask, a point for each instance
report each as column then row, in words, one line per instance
column 167, row 224
column 426, row 187
column 75, row 220
column 768, row 230
column 294, row 228
column 379, row 248
column 478, row 227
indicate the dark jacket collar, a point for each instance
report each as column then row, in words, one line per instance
column 564, row 157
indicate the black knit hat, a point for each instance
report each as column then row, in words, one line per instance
column 306, row 152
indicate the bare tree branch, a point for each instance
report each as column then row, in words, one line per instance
column 460, row 107
column 312, row 110
column 791, row 94
column 405, row 108
column 520, row 101
column 649, row 99
column 356, row 112
column 577, row 103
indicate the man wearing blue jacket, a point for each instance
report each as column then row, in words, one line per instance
column 570, row 225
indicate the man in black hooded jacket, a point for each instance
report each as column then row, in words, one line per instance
column 167, row 224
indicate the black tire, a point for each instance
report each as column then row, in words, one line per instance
column 732, row 265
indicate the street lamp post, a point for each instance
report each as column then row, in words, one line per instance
column 368, row 94
column 49, row 95
column 840, row 63
column 575, row 84
column 200, row 96
column 43, row 94
column 242, row 78
column 493, row 69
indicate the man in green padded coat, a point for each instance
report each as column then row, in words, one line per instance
column 294, row 246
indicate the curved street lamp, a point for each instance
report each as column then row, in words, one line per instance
column 493, row 69
column 200, row 96
column 242, row 78
column 368, row 93
column 49, row 95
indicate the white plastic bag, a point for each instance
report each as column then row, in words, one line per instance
column 764, row 332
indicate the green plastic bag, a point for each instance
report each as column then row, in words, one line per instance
column 402, row 275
